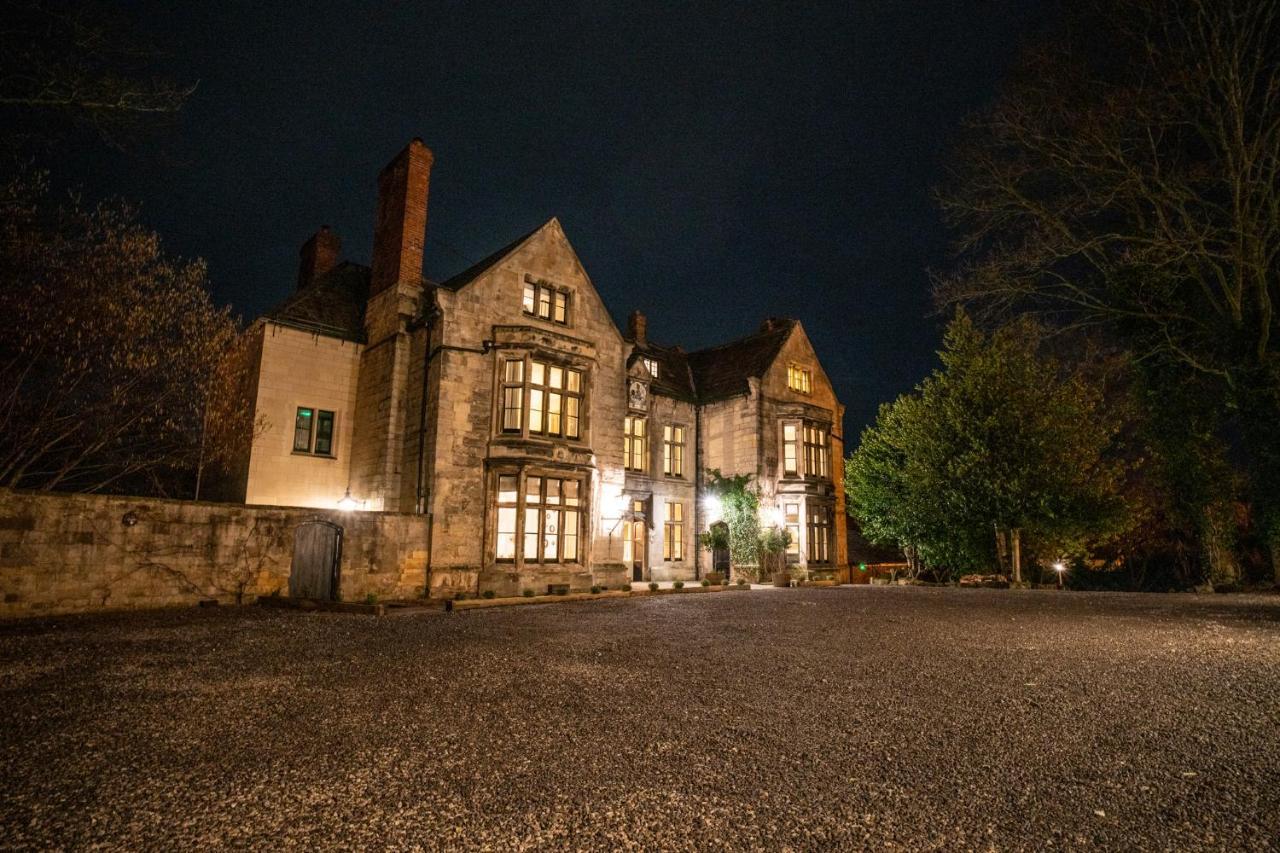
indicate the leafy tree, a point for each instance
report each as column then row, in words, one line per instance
column 1127, row 183
column 740, row 504
column 1001, row 441
column 116, row 369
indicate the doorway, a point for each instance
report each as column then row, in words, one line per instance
column 317, row 553
column 635, row 542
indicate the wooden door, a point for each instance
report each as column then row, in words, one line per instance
column 317, row 552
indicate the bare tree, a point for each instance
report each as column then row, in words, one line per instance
column 64, row 65
column 111, row 353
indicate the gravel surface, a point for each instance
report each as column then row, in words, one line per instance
column 854, row 717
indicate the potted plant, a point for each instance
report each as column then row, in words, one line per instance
column 773, row 554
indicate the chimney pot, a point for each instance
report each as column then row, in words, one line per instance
column 400, row 223
column 636, row 327
column 321, row 253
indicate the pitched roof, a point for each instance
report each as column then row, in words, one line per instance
column 480, row 267
column 333, row 305
column 723, row 371
column 674, row 378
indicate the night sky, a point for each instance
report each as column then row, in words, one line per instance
column 713, row 164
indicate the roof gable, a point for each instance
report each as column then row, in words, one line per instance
column 723, row 371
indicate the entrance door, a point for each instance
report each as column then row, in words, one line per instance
column 317, row 551
column 635, row 541
column 720, row 556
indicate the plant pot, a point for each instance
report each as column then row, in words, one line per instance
column 782, row 578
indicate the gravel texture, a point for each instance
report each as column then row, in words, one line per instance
column 849, row 718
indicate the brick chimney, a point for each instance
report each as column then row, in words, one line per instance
column 400, row 224
column 636, row 327
column 321, row 253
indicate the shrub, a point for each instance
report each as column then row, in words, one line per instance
column 626, row 587
column 741, row 581
column 595, row 590
column 528, row 593
column 653, row 586
column 706, row 582
column 459, row 596
column 371, row 599
column 488, row 593
column 678, row 585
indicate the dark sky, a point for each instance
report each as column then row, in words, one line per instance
column 712, row 163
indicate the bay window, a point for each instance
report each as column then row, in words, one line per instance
column 540, row 523
column 819, row 534
column 542, row 398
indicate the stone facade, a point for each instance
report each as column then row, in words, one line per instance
column 82, row 553
column 494, row 406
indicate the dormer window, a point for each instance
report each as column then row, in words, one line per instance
column 799, row 379
column 546, row 302
column 651, row 365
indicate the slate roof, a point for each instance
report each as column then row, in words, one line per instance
column 674, row 378
column 482, row 266
column 333, row 305
column 723, row 371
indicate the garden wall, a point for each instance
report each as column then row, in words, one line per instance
column 78, row 553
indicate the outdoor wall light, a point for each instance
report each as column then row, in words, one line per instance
column 713, row 507
column 348, row 503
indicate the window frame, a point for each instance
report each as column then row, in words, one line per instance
column 635, row 444
column 316, row 416
column 673, row 533
column 651, row 365
column 568, row 517
column 791, row 458
column 557, row 300
column 820, row 526
column 800, row 379
column 524, row 390
column 817, row 452
column 673, row 447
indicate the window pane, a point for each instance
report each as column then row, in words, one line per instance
column 544, row 303
column 527, row 304
column 572, row 428
column 324, row 433
column 551, row 536
column 531, row 535
column 575, row 381
column 514, row 371
column 561, row 303
column 533, row 490
column 554, row 402
column 511, row 402
column 537, row 373
column 535, row 409
column 570, row 492
column 507, row 491
column 302, row 431
column 570, row 535
column 626, row 542
column 505, row 548
column 553, row 492
column 555, row 377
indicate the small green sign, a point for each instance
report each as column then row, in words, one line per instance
column 862, row 567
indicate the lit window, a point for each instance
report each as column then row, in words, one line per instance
column 817, row 452
column 635, row 444
column 313, row 424
column 651, row 365
column 544, row 519
column 633, row 535
column 791, row 520
column 673, row 451
column 554, row 396
column 789, row 452
column 819, row 534
column 799, row 379
column 673, row 533
column 545, row 302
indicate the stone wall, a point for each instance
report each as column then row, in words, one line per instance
column 82, row 553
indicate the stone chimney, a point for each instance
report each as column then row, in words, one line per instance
column 321, row 253
column 400, row 225
column 636, row 328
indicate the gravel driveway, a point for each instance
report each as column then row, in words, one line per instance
column 853, row 717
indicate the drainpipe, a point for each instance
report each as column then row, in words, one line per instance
column 697, row 492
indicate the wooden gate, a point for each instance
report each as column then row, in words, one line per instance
column 317, row 551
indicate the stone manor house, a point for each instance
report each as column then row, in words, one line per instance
column 543, row 444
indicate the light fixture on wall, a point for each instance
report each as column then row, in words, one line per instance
column 348, row 503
